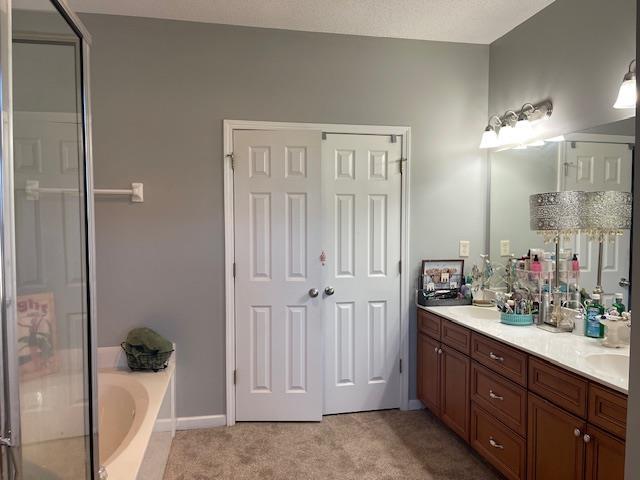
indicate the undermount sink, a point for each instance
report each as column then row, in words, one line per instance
column 484, row 313
column 609, row 364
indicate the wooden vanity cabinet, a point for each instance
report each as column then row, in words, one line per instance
column 605, row 455
column 528, row 418
column 455, row 371
column 444, row 372
column 428, row 385
column 556, row 448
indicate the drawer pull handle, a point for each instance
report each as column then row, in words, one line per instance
column 439, row 351
column 494, row 396
column 577, row 432
column 495, row 444
column 495, row 357
column 435, row 349
column 586, row 438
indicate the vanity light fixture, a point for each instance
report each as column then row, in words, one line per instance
column 490, row 136
column 507, row 134
column 523, row 128
column 536, row 143
column 628, row 93
column 559, row 138
column 514, row 128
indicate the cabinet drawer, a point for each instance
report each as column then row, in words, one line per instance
column 429, row 323
column 501, row 398
column 558, row 386
column 608, row 410
column 500, row 446
column 500, row 358
column 456, row 336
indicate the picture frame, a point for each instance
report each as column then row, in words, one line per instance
column 37, row 338
column 442, row 274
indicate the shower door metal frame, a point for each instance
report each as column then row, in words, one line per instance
column 9, row 379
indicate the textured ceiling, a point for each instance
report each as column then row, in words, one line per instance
column 470, row 21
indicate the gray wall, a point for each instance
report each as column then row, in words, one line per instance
column 160, row 92
column 574, row 52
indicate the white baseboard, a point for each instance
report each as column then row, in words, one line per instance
column 191, row 423
column 415, row 404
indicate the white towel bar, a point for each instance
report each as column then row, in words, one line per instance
column 33, row 191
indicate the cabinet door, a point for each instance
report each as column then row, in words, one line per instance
column 454, row 390
column 429, row 372
column 605, row 455
column 555, row 444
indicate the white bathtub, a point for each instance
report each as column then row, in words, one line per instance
column 129, row 406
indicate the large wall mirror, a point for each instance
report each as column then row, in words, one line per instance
column 596, row 159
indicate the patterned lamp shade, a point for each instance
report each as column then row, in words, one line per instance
column 557, row 213
column 607, row 213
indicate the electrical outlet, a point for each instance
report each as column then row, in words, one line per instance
column 465, row 246
column 505, row 248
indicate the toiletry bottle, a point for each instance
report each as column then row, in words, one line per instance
column 574, row 298
column 536, row 266
column 594, row 328
column 575, row 264
column 618, row 305
column 575, row 268
column 579, row 324
column 545, row 308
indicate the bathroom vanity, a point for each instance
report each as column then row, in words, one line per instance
column 534, row 404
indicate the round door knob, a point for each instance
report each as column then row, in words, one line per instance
column 577, row 432
column 329, row 291
column 586, row 438
column 313, row 292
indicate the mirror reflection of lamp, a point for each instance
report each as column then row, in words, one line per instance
column 601, row 215
column 557, row 215
column 606, row 216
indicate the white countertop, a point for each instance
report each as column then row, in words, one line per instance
column 582, row 355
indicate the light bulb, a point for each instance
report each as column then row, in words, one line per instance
column 506, row 135
column 628, row 93
column 523, row 130
column 489, row 138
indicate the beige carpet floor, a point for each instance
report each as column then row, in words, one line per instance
column 374, row 445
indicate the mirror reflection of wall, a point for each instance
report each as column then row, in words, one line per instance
column 595, row 159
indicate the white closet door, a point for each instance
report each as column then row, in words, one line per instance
column 593, row 167
column 361, row 183
column 277, row 245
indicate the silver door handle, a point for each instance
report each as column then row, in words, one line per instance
column 329, row 291
column 624, row 283
column 313, row 292
column 495, row 444
column 495, row 357
column 494, row 396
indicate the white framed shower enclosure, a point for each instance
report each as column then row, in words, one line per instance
column 10, row 414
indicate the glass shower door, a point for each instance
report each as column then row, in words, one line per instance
column 53, row 414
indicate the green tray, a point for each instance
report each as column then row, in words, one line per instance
column 518, row 320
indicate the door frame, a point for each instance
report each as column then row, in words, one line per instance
column 229, row 126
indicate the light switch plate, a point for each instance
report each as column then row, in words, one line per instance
column 465, row 246
column 505, row 248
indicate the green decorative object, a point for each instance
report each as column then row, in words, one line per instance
column 147, row 350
